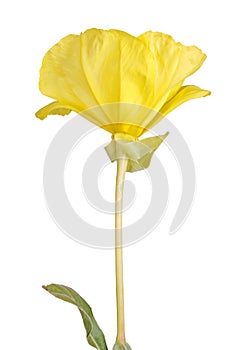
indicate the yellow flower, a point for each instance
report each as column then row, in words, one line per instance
column 122, row 83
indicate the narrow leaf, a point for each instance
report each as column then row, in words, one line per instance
column 94, row 334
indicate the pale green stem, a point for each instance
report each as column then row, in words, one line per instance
column 121, row 170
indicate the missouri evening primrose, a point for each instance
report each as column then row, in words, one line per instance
column 125, row 85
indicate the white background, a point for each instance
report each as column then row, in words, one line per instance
column 182, row 290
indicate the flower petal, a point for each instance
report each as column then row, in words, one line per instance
column 121, row 70
column 52, row 108
column 184, row 94
column 99, row 67
column 117, row 81
column 175, row 61
column 61, row 76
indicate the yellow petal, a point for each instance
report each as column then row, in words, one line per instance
column 184, row 94
column 52, row 108
column 117, row 81
column 96, row 68
column 120, row 70
column 172, row 92
column 175, row 61
column 61, row 76
column 118, row 66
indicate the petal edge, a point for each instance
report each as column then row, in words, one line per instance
column 53, row 108
column 185, row 93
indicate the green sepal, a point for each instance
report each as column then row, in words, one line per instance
column 152, row 143
column 122, row 347
column 94, row 334
column 139, row 153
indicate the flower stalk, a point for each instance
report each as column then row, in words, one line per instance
column 120, row 177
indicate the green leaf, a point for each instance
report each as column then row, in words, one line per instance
column 94, row 334
column 121, row 346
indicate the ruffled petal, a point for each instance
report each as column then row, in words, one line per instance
column 117, row 81
column 99, row 67
column 61, row 76
column 118, row 66
column 175, row 61
column 120, row 70
column 52, row 108
column 184, row 94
